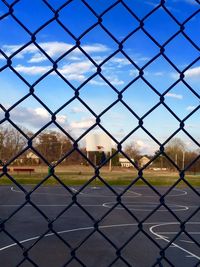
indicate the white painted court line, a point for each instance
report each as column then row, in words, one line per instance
column 43, row 193
column 50, row 205
column 131, row 192
column 159, row 238
column 168, row 241
column 173, row 233
column 182, row 193
column 154, row 225
column 75, row 190
column 65, row 232
column 100, row 195
column 146, row 206
column 187, row 241
column 38, row 193
column 130, row 205
column 70, row 231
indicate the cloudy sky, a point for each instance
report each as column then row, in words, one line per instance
column 34, row 63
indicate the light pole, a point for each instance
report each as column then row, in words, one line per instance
column 161, row 162
column 183, row 160
column 176, row 159
column 110, row 161
column 1, row 145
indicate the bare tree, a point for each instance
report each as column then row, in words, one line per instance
column 176, row 151
column 11, row 142
column 132, row 151
column 53, row 145
column 192, row 162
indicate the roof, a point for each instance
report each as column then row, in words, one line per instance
column 144, row 158
column 32, row 155
column 124, row 160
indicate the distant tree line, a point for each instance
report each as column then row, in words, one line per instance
column 176, row 150
column 51, row 145
column 54, row 145
column 183, row 158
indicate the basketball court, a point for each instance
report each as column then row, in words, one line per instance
column 116, row 239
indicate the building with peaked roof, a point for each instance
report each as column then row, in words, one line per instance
column 143, row 161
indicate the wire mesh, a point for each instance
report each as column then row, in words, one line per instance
column 98, row 22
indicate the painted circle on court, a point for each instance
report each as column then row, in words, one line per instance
column 145, row 206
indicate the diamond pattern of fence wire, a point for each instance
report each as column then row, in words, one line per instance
column 98, row 21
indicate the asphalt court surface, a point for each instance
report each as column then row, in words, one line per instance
column 117, row 229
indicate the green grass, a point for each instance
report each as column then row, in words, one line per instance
column 112, row 178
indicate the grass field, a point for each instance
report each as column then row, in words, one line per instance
column 78, row 175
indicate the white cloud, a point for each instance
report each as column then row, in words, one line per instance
column 76, row 110
column 140, row 143
column 99, row 59
column 77, row 68
column 74, row 77
column 37, row 58
column 190, row 108
column 95, row 48
column 74, row 58
column 32, row 70
column 83, row 124
column 159, row 73
column 143, row 58
column 74, row 71
column 77, row 71
column 62, row 119
column 97, row 82
column 172, row 95
column 29, row 117
column 193, row 126
column 114, row 80
column 151, row 3
column 120, row 61
column 41, row 112
column 53, row 49
column 134, row 73
column 34, row 118
column 193, row 73
column 146, row 146
column 44, row 114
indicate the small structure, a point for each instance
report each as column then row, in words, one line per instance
column 143, row 161
column 159, row 169
column 28, row 158
column 33, row 158
column 125, row 162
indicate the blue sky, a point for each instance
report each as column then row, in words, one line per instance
column 31, row 64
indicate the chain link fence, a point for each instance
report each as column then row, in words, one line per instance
column 98, row 21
